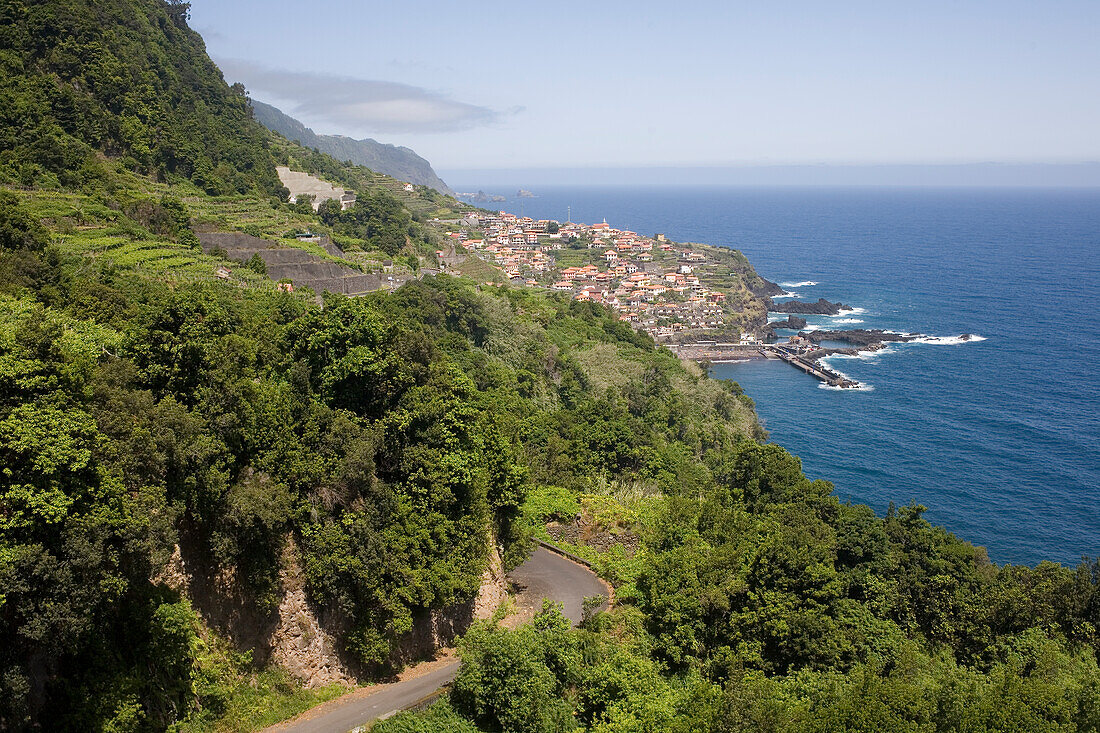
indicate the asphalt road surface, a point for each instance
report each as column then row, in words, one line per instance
column 544, row 575
column 549, row 575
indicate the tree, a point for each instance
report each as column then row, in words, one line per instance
column 329, row 211
column 303, row 203
column 18, row 229
column 257, row 264
column 504, row 683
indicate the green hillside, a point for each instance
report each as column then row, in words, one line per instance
column 384, row 439
column 129, row 80
column 183, row 450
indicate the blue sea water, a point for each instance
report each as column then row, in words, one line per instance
column 999, row 437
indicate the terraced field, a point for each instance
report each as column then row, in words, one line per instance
column 165, row 260
column 235, row 212
column 481, row 270
column 93, row 225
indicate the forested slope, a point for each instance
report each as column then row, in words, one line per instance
column 754, row 601
column 124, row 78
column 390, row 437
column 150, row 410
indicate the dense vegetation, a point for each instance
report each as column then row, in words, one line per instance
column 156, row 421
column 128, row 79
column 386, row 438
column 763, row 604
column 377, row 219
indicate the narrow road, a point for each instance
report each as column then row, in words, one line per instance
column 549, row 575
column 544, row 575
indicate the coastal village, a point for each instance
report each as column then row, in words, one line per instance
column 660, row 287
column 706, row 303
column 683, row 295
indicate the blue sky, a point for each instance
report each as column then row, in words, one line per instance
column 606, row 84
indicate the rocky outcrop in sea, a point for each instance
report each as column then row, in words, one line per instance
column 793, row 322
column 821, row 308
column 859, row 336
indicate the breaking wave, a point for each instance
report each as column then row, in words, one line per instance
column 948, row 340
column 861, row 387
column 803, row 284
column 848, row 320
column 868, row 356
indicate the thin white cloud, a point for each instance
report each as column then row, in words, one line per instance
column 359, row 105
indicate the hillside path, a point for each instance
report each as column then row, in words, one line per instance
column 544, row 575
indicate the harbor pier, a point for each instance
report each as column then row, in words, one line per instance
column 811, row 367
column 717, row 353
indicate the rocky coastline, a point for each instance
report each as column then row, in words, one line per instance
column 862, row 337
column 767, row 289
column 793, row 322
column 865, row 340
column 821, row 308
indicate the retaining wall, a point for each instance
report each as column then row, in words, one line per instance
column 302, row 268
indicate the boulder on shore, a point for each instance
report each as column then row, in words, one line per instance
column 821, row 308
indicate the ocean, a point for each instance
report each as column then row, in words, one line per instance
column 999, row 436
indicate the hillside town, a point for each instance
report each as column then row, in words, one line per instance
column 663, row 288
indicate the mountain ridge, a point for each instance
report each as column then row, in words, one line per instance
column 393, row 160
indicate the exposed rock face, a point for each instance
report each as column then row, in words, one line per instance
column 494, row 587
column 793, row 322
column 766, row 289
column 306, row 640
column 437, row 629
column 299, row 643
column 293, row 636
column 584, row 531
column 821, row 308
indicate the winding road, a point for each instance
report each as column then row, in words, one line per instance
column 544, row 575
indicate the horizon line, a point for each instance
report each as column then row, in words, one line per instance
column 749, row 166
column 1085, row 174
